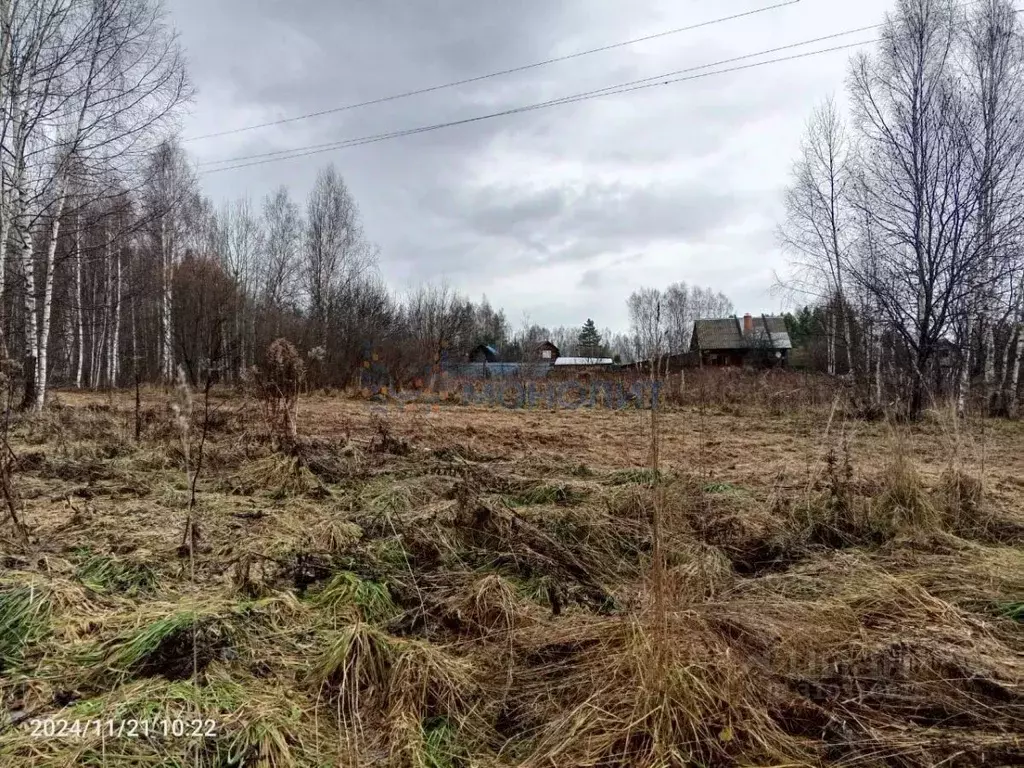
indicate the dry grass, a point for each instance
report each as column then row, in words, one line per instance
column 461, row 586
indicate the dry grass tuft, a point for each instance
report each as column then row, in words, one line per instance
column 903, row 503
column 605, row 699
column 279, row 476
column 347, row 592
column 493, row 605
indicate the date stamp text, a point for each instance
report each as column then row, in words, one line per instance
column 178, row 728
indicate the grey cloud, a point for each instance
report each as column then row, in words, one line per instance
column 422, row 196
column 598, row 217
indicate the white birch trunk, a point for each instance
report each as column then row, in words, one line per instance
column 115, row 343
column 964, row 385
column 5, row 229
column 830, row 333
column 848, row 340
column 94, row 331
column 167, row 337
column 1010, row 395
column 6, row 88
column 878, row 365
column 104, row 366
column 79, row 315
column 135, row 340
column 988, row 347
column 44, row 329
column 26, row 261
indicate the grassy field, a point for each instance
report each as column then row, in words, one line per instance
column 445, row 585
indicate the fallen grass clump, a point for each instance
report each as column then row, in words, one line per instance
column 391, row 687
column 370, row 599
column 174, row 646
column 101, row 573
column 881, row 652
column 279, row 476
column 903, row 503
column 492, row 604
column 386, row 497
column 25, row 613
column 557, row 494
column 240, row 721
column 619, row 693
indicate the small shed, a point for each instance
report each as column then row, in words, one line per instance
column 547, row 351
column 753, row 342
column 484, row 353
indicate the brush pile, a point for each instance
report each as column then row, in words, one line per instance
column 392, row 597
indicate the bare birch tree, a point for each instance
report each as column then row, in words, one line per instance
column 994, row 75
column 818, row 229
column 336, row 252
column 920, row 195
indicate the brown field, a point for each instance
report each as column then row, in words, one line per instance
column 448, row 585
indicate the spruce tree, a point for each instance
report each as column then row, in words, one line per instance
column 589, row 340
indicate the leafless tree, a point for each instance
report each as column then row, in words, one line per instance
column 170, row 187
column 441, row 322
column 336, row 251
column 994, row 75
column 647, row 323
column 282, row 225
column 678, row 318
column 818, row 231
column 241, row 243
column 920, row 192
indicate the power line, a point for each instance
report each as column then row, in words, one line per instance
column 634, row 85
column 499, row 73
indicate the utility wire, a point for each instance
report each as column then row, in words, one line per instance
column 499, row 73
column 635, row 85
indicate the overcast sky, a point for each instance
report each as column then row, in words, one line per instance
column 555, row 214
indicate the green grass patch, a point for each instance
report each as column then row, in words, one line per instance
column 560, row 494
column 637, row 476
column 440, row 747
column 24, row 620
column 173, row 646
column 390, row 552
column 373, row 600
column 104, row 574
column 724, row 488
column 1013, row 611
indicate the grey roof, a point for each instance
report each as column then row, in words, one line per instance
column 584, row 361
column 726, row 333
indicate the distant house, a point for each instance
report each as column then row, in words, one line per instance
column 547, row 351
column 484, row 353
column 761, row 342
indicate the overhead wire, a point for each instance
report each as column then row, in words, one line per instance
column 667, row 78
column 499, row 73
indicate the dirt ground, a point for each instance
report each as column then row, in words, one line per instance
column 443, row 585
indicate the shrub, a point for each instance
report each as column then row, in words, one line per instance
column 276, row 385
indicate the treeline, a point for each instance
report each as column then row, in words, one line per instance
column 114, row 267
column 905, row 222
column 661, row 322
